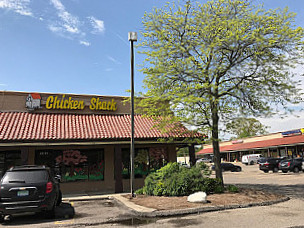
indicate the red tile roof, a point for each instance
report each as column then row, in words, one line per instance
column 290, row 140
column 21, row 126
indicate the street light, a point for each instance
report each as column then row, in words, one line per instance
column 132, row 38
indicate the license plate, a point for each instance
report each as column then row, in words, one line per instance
column 23, row 193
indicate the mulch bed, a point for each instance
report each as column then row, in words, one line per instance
column 244, row 196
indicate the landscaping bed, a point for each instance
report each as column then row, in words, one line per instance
column 244, row 196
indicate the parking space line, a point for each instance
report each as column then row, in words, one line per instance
column 64, row 222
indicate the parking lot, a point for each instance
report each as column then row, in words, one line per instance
column 252, row 175
column 105, row 213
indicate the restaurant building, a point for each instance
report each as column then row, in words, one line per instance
column 84, row 138
column 281, row 144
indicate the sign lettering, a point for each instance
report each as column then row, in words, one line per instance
column 54, row 102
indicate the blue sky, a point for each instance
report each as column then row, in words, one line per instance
column 78, row 46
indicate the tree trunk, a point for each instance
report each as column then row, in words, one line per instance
column 192, row 155
column 215, row 144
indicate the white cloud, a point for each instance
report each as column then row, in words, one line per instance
column 113, row 60
column 57, row 19
column 277, row 124
column 68, row 23
column 85, row 43
column 1, row 84
column 109, row 69
column 18, row 6
column 98, row 25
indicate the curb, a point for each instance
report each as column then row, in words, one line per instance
column 88, row 198
column 153, row 213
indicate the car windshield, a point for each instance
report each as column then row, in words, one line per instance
column 28, row 176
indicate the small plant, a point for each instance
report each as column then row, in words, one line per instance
column 232, row 188
column 139, row 191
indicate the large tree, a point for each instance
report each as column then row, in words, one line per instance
column 208, row 63
column 243, row 127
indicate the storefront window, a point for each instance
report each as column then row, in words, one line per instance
column 145, row 161
column 74, row 165
column 9, row 159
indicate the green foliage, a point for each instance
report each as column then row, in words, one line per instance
column 176, row 180
column 139, row 191
column 208, row 63
column 213, row 185
column 245, row 127
column 232, row 188
column 183, row 152
column 205, row 169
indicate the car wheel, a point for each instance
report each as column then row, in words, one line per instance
column 50, row 214
column 238, row 169
column 275, row 170
column 266, row 171
column 251, row 163
column 295, row 169
column 284, row 171
column 223, row 170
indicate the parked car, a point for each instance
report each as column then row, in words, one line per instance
column 251, row 159
column 272, row 164
column 29, row 189
column 229, row 167
column 294, row 165
column 205, row 160
column 184, row 164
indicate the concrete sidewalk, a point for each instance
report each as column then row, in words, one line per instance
column 118, row 196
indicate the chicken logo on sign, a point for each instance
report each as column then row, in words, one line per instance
column 33, row 101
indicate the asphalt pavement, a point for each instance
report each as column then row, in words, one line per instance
column 114, row 210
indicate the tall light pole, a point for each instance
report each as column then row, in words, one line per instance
column 132, row 38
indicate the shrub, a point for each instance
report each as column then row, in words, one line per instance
column 232, row 188
column 204, row 168
column 176, row 180
column 213, row 185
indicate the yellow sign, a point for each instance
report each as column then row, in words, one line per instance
column 53, row 102
column 96, row 104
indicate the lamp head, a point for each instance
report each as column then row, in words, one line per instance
column 132, row 36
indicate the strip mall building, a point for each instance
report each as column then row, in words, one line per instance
column 84, row 138
column 282, row 144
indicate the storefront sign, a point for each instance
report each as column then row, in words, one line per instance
column 294, row 132
column 33, row 101
column 53, row 102
column 97, row 104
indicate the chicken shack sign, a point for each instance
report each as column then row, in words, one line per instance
column 33, row 101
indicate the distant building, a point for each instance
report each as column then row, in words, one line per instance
column 282, row 144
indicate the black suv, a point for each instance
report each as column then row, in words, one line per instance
column 293, row 164
column 29, row 189
column 272, row 164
